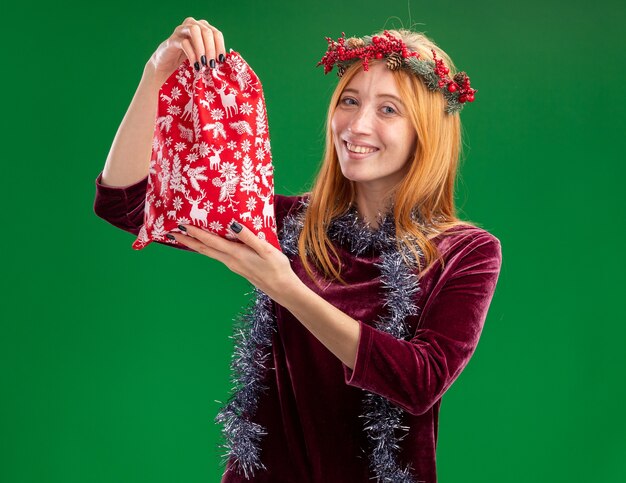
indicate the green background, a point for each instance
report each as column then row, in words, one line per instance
column 106, row 379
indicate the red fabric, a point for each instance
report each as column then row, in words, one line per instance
column 311, row 409
column 211, row 159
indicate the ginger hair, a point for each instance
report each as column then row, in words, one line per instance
column 428, row 183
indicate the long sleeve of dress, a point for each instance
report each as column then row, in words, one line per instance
column 123, row 206
column 415, row 373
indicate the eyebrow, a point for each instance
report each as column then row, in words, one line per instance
column 396, row 98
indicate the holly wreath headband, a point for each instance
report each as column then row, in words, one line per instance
column 344, row 52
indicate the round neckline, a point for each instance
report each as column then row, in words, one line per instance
column 351, row 231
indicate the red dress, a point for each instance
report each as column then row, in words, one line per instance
column 312, row 407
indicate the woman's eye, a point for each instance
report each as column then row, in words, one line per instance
column 349, row 101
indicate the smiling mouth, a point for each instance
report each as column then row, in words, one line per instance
column 353, row 148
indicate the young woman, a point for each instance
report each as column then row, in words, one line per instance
column 378, row 298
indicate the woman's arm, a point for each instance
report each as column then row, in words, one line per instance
column 332, row 327
column 414, row 373
column 123, row 207
column 121, row 186
column 129, row 158
column 128, row 161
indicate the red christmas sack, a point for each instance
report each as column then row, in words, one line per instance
column 211, row 161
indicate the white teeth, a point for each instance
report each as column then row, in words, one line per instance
column 359, row 149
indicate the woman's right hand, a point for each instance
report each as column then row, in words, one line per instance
column 196, row 40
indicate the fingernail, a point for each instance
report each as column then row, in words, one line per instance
column 170, row 236
column 181, row 227
column 203, row 59
column 221, row 58
column 236, row 227
column 197, row 66
column 212, row 63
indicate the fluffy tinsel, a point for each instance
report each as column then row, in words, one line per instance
column 382, row 419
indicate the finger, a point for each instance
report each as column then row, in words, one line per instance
column 185, row 45
column 193, row 34
column 183, row 36
column 200, row 247
column 220, row 46
column 216, row 242
column 209, row 42
column 261, row 247
column 218, row 41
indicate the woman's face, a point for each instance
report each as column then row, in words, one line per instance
column 373, row 136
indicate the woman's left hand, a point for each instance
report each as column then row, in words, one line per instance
column 266, row 267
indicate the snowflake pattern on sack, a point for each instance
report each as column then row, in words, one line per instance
column 211, row 162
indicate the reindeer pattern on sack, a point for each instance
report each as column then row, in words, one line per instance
column 211, row 158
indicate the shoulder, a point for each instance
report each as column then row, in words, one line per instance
column 465, row 233
column 285, row 205
column 467, row 244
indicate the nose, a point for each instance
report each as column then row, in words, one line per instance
column 361, row 121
